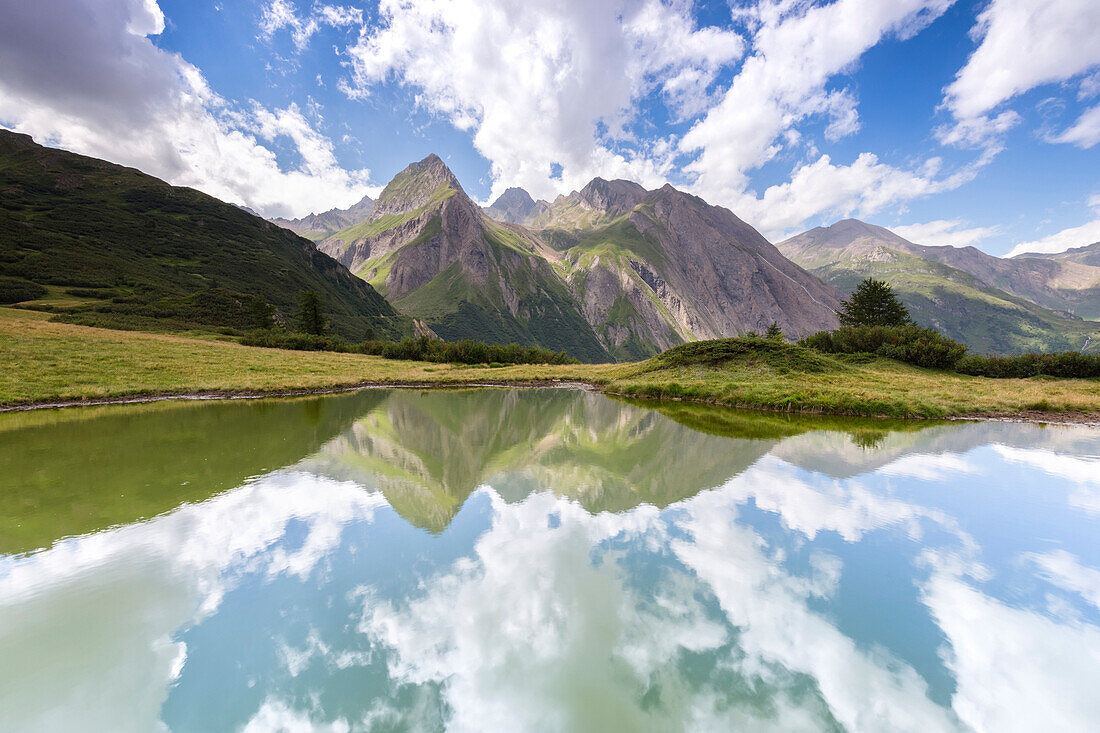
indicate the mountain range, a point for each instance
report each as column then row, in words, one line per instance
column 992, row 304
column 610, row 271
column 315, row 227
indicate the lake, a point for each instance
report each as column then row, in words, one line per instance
column 542, row 560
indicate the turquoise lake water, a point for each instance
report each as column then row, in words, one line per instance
column 542, row 560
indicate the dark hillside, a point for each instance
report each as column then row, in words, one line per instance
column 108, row 245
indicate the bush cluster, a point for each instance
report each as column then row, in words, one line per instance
column 466, row 351
column 279, row 339
column 14, row 290
column 923, row 347
column 420, row 349
column 1067, row 365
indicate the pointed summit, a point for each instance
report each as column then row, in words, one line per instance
column 516, row 206
column 420, row 184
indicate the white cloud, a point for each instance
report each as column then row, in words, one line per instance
column 1080, row 471
column 1024, row 43
column 797, row 49
column 138, row 585
column 1066, row 571
column 1078, row 236
column 1084, row 133
column 863, row 690
column 276, row 716
column 861, row 189
column 100, row 87
column 280, row 14
column 984, row 132
column 1015, row 670
column 945, row 232
column 536, row 82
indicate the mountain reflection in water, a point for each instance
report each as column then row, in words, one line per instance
column 542, row 560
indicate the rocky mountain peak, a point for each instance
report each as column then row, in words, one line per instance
column 516, row 206
column 612, row 197
column 418, row 185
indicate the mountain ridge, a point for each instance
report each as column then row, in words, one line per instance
column 315, row 227
column 955, row 290
column 633, row 271
column 110, row 245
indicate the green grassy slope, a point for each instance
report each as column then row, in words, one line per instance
column 456, row 307
column 135, row 252
column 986, row 319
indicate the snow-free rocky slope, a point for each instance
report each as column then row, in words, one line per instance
column 611, row 271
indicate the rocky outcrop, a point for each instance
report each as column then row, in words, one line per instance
column 685, row 270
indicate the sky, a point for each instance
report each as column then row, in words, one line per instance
column 963, row 123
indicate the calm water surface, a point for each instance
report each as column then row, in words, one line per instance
column 542, row 560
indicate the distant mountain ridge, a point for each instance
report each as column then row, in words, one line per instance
column 992, row 304
column 315, row 227
column 611, row 270
column 1086, row 255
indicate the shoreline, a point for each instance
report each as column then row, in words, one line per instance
column 1038, row 417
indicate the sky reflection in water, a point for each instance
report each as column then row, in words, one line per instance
column 544, row 560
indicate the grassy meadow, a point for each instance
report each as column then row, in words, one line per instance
column 44, row 361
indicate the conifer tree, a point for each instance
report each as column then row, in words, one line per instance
column 311, row 317
column 874, row 303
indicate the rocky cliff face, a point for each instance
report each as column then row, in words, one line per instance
column 992, row 304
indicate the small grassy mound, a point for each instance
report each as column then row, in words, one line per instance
column 780, row 356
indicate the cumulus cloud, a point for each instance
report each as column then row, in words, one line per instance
column 100, row 87
column 1022, row 44
column 542, row 84
column 861, row 189
column 1010, row 663
column 945, row 232
column 797, row 50
column 1078, row 236
column 162, row 574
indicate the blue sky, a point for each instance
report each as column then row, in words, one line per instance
column 950, row 122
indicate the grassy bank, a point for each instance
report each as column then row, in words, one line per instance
column 44, row 361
